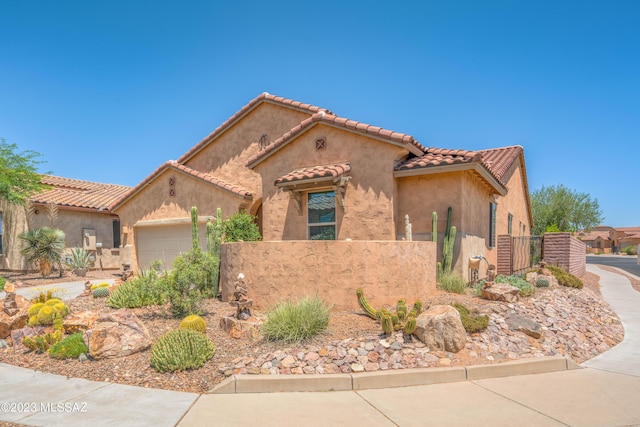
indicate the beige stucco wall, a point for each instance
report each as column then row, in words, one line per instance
column 227, row 156
column 14, row 222
column 469, row 197
column 73, row 221
column 289, row 270
column 370, row 194
column 154, row 203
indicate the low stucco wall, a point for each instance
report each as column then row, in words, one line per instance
column 280, row 270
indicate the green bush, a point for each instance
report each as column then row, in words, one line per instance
column 181, row 349
column 69, row 348
column 565, row 278
column 630, row 250
column 295, row 322
column 452, row 283
column 526, row 289
column 2, row 283
column 140, row 291
column 190, row 282
column 472, row 323
column 241, row 226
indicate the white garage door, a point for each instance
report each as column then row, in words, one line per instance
column 164, row 243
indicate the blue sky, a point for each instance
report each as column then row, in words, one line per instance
column 109, row 90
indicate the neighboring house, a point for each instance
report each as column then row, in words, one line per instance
column 597, row 240
column 607, row 239
column 83, row 212
column 307, row 173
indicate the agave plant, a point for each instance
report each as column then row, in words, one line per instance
column 44, row 246
column 78, row 259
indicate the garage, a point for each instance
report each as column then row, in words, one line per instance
column 164, row 242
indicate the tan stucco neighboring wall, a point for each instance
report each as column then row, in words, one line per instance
column 514, row 202
column 290, row 270
column 370, row 194
column 72, row 222
column 226, row 157
column 153, row 203
column 14, row 222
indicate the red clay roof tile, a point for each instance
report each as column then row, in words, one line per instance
column 75, row 193
column 325, row 171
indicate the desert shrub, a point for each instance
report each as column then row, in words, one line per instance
column 526, row 289
column 69, row 348
column 181, row 349
column 472, row 323
column 452, row 283
column 42, row 343
column 565, row 278
column 140, row 291
column 2, row 283
column 542, row 283
column 630, row 250
column 190, row 282
column 241, row 226
column 295, row 322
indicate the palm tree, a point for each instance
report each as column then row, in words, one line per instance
column 44, row 246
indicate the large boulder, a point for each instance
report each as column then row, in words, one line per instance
column 500, row 292
column 440, row 328
column 13, row 314
column 79, row 322
column 116, row 334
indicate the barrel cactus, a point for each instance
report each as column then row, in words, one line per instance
column 34, row 309
column 101, row 292
column 99, row 285
column 181, row 349
column 46, row 315
column 194, row 322
column 53, row 301
column 542, row 283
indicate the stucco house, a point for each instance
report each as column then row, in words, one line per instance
column 307, row 173
column 83, row 213
column 606, row 239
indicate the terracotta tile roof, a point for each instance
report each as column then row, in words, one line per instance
column 328, row 171
column 264, row 97
column 328, row 118
column 499, row 160
column 75, row 193
column 496, row 161
column 196, row 174
column 594, row 234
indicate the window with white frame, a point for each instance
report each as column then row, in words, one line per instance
column 321, row 215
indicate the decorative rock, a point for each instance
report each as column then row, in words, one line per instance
column 116, row 334
column 440, row 328
column 237, row 328
column 500, row 292
column 79, row 322
column 522, row 324
column 17, row 305
column 18, row 334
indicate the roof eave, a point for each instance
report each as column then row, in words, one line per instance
column 476, row 167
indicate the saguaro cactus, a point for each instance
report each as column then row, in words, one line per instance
column 195, row 238
column 408, row 234
column 447, row 248
column 434, row 227
column 214, row 240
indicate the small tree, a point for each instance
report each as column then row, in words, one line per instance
column 18, row 176
column 559, row 208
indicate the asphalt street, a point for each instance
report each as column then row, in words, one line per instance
column 624, row 262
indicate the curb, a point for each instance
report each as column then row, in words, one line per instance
column 389, row 379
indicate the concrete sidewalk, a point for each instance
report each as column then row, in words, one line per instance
column 545, row 392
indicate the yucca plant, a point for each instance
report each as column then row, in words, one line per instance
column 78, row 258
column 44, row 246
